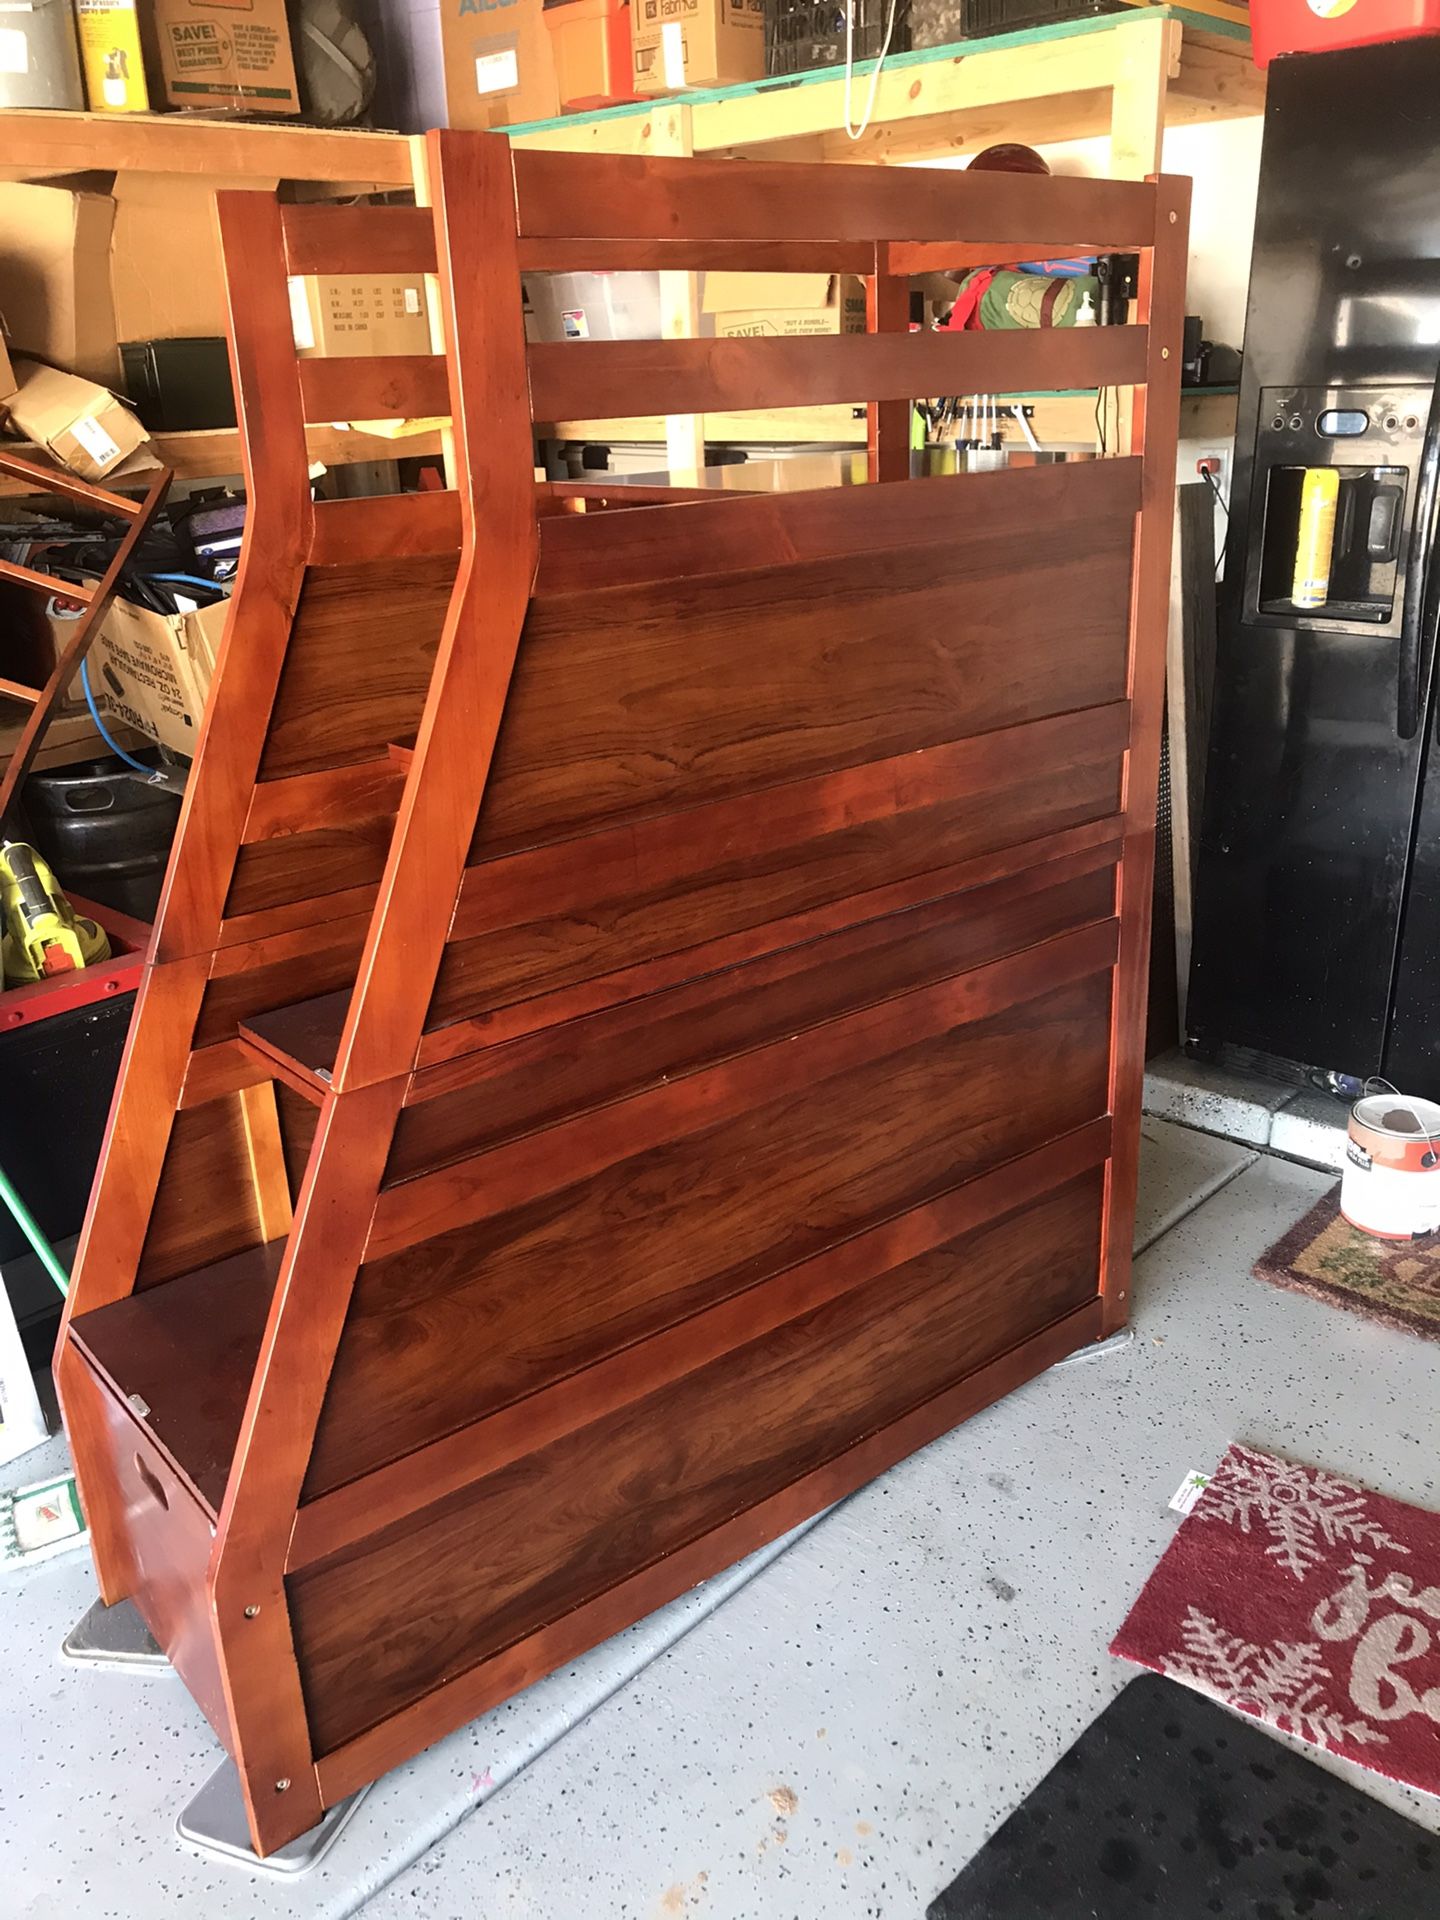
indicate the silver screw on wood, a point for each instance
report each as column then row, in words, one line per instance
column 282, row 1786
column 250, row 1612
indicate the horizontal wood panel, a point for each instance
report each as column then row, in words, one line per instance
column 648, row 699
column 538, row 922
column 395, row 386
column 331, row 798
column 523, row 1168
column 449, row 1330
column 205, row 1207
column 611, row 379
column 308, row 866
column 402, row 524
column 461, row 1107
column 359, row 662
column 449, row 1044
column 362, row 1507
column 581, row 551
column 664, row 1471
column 687, row 255
column 627, row 197
column 358, row 240
column 262, row 975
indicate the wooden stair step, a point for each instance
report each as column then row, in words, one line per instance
column 182, row 1357
column 299, row 1042
column 16, row 690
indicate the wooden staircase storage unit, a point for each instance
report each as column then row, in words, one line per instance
column 644, row 1028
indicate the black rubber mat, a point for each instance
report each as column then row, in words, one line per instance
column 1169, row 1806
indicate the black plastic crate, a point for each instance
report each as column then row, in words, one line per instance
column 939, row 23
column 804, row 34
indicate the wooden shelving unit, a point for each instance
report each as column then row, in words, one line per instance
column 1127, row 76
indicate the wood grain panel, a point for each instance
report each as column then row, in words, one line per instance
column 711, row 198
column 339, row 1519
column 270, row 973
column 308, row 866
column 461, row 1107
column 394, row 386
column 617, row 379
column 205, row 1207
column 443, row 1332
column 579, row 551
column 642, row 700
column 299, row 1118
column 359, row 661
column 541, row 921
column 348, row 240
column 561, row 1525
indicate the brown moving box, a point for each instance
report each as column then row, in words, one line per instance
column 789, row 306
column 80, row 423
column 55, row 299
column 696, row 43
column 499, row 63
column 152, row 671
column 340, row 314
column 233, row 54
column 164, row 259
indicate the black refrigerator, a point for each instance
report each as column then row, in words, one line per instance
column 1317, row 906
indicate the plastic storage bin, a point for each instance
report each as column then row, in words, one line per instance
column 801, row 35
column 592, row 306
column 591, row 43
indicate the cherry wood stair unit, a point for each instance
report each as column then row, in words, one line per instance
column 645, row 1024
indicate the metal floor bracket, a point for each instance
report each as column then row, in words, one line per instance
column 114, row 1637
column 215, row 1824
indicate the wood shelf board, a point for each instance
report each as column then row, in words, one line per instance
column 214, row 452
column 1053, row 63
column 305, row 1036
column 188, row 1349
column 35, row 142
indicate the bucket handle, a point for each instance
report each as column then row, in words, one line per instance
column 1428, row 1159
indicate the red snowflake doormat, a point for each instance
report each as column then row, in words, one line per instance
column 1308, row 1602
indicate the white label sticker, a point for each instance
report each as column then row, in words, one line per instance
column 497, row 72
column 575, row 325
column 1189, row 1491
column 14, row 50
column 300, row 322
column 412, row 300
column 95, row 440
column 672, row 53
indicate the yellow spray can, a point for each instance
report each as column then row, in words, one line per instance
column 1315, row 538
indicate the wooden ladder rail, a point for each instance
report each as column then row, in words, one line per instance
column 43, row 700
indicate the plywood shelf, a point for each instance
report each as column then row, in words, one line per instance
column 35, row 143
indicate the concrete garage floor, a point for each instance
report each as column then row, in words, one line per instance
column 831, row 1734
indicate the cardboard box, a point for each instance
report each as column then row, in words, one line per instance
column 785, row 306
column 696, row 43
column 55, row 298
column 110, row 55
column 351, row 314
column 152, row 671
column 499, row 63
column 80, row 423
column 233, row 54
column 166, row 279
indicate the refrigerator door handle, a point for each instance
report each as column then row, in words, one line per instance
column 1417, row 617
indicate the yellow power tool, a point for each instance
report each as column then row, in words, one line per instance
column 43, row 934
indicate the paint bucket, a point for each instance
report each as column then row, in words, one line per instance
column 1391, row 1183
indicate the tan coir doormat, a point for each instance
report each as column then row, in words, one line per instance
column 1394, row 1281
